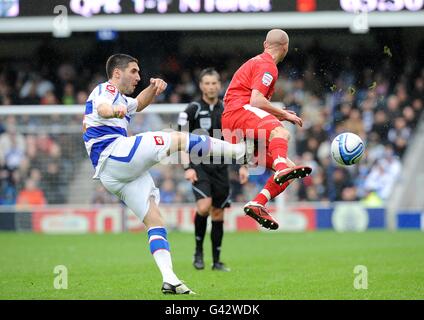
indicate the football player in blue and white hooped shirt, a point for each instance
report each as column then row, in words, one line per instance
column 122, row 163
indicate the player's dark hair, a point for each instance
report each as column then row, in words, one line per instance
column 209, row 72
column 119, row 61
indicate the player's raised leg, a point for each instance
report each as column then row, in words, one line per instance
column 269, row 130
column 256, row 208
column 278, row 145
column 202, row 145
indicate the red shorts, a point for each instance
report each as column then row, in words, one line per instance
column 249, row 122
column 253, row 123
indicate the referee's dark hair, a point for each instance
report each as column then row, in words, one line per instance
column 209, row 72
column 119, row 61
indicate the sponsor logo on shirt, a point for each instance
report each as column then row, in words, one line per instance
column 267, row 79
column 111, row 89
column 158, row 140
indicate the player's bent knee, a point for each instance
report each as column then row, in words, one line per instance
column 280, row 132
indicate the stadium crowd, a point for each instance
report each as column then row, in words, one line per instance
column 381, row 102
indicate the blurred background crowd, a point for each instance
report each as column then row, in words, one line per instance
column 376, row 95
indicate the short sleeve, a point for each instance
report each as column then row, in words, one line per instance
column 132, row 105
column 106, row 93
column 264, row 76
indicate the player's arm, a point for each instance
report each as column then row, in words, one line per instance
column 258, row 100
column 146, row 97
column 106, row 110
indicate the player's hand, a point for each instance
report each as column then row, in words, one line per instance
column 291, row 116
column 243, row 174
column 119, row 111
column 158, row 85
column 190, row 175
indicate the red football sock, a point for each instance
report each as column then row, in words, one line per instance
column 278, row 149
column 270, row 191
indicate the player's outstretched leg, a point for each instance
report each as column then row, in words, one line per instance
column 202, row 146
column 278, row 146
column 159, row 247
column 256, row 208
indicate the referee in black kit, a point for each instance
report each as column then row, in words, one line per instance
column 210, row 182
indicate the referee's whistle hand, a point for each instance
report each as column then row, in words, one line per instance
column 190, row 175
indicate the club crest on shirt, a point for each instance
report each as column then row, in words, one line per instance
column 267, row 79
column 158, row 140
column 111, row 89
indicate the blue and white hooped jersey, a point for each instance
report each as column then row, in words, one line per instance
column 100, row 134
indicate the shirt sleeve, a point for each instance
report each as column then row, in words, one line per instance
column 264, row 76
column 187, row 117
column 132, row 105
column 106, row 93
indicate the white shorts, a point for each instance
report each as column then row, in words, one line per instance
column 125, row 172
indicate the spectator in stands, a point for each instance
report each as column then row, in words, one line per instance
column 35, row 87
column 399, row 135
column 49, row 98
column 31, row 194
column 12, row 146
column 69, row 94
column 339, row 181
column 82, row 97
column 167, row 191
column 53, row 184
column 418, row 106
column 368, row 106
column 384, row 174
column 354, row 123
column 410, row 117
column 392, row 108
column 381, row 125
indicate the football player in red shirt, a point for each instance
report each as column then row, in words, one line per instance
column 247, row 109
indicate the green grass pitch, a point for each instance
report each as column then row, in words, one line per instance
column 265, row 265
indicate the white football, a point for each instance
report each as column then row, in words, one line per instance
column 347, row 148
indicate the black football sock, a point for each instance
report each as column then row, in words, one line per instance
column 200, row 224
column 217, row 233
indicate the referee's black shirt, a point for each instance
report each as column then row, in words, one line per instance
column 203, row 118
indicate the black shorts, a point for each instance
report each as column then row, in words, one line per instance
column 213, row 181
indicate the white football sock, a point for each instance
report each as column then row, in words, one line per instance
column 164, row 262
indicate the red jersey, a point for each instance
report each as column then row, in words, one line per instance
column 258, row 73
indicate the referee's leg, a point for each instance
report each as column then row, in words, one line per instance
column 220, row 200
column 202, row 193
column 217, row 233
